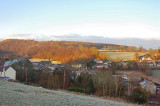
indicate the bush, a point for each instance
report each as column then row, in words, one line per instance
column 113, row 72
column 75, row 89
column 90, row 88
column 139, row 96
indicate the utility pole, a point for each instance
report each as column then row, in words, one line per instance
column 64, row 79
column 128, row 87
column 26, row 75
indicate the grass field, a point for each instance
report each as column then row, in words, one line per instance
column 122, row 55
column 156, row 73
column 16, row 94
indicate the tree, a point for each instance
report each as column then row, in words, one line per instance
column 114, row 65
column 141, row 49
column 139, row 96
column 90, row 88
column 104, row 83
column 109, row 48
column 131, row 48
column 121, row 48
column 102, row 56
column 90, row 64
column 158, row 50
column 104, row 47
column 94, row 51
column 21, row 68
column 136, row 56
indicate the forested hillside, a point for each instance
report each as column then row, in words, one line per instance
column 64, row 51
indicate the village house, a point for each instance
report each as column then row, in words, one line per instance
column 124, row 77
column 37, row 65
column 54, row 66
column 7, row 72
column 83, row 70
column 145, row 59
column 101, row 66
column 151, row 63
column 158, row 90
column 77, row 65
column 98, row 61
column 149, row 86
column 157, row 63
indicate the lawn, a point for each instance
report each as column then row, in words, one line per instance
column 122, row 55
column 156, row 73
column 16, row 94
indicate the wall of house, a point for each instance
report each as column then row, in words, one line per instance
column 11, row 73
column 151, row 88
column 1, row 74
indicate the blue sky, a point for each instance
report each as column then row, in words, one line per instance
column 109, row 18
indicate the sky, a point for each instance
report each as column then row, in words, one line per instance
column 103, row 18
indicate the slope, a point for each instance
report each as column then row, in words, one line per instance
column 19, row 94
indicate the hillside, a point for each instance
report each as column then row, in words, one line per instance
column 19, row 94
column 18, row 44
column 63, row 51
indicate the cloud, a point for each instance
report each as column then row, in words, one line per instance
column 138, row 30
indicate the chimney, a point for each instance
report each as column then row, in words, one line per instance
column 145, row 79
column 4, row 71
column 150, row 80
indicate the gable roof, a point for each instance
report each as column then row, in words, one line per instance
column 144, row 83
column 1, row 68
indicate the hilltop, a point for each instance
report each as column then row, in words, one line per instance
column 20, row 94
column 21, row 43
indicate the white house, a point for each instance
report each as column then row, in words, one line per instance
column 145, row 59
column 98, row 61
column 149, row 86
column 8, row 72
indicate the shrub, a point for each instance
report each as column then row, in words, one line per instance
column 139, row 96
column 113, row 72
column 75, row 89
column 90, row 88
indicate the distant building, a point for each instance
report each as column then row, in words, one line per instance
column 149, row 86
column 98, row 61
column 124, row 77
column 158, row 90
column 77, row 65
column 83, row 70
column 52, row 67
column 45, row 62
column 157, row 63
column 101, row 66
column 7, row 72
column 40, row 60
column 144, row 58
